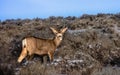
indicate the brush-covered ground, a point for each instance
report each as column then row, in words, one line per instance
column 91, row 46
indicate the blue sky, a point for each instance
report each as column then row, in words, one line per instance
column 13, row 9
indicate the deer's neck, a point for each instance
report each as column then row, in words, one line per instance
column 57, row 42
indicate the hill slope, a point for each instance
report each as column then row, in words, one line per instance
column 92, row 41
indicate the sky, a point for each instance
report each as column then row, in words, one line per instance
column 14, row 9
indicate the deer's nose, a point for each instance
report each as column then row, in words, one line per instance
column 59, row 36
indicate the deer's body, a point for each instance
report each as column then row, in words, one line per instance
column 33, row 45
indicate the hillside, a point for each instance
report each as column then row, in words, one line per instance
column 90, row 45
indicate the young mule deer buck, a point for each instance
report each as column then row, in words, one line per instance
column 39, row 46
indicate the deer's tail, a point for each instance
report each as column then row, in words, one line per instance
column 24, row 43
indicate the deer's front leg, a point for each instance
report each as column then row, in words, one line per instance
column 50, row 54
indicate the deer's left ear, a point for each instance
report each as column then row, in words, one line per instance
column 63, row 30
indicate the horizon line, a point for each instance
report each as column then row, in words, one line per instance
column 43, row 17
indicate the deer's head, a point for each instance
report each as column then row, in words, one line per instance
column 59, row 34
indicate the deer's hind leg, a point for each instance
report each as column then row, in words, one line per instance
column 22, row 55
column 30, row 57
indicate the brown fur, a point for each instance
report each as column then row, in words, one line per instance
column 32, row 45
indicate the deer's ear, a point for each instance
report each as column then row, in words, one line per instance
column 63, row 30
column 54, row 31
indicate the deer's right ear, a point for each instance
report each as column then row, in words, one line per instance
column 54, row 31
column 63, row 30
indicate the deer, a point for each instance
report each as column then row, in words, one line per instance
column 40, row 46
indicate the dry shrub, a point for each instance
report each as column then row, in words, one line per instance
column 98, row 42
